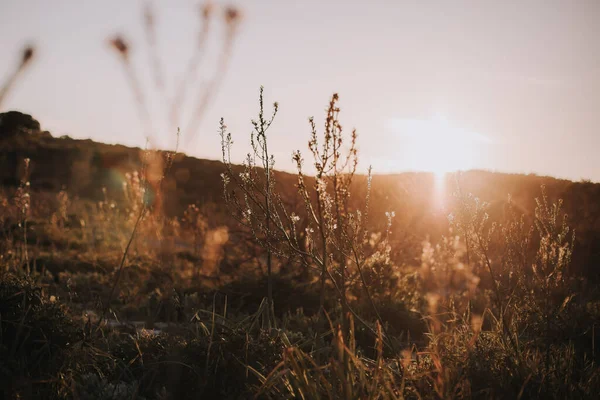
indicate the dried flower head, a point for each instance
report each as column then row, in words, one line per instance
column 119, row 44
column 232, row 15
column 28, row 53
column 148, row 15
column 206, row 10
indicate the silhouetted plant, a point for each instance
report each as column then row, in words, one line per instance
column 22, row 201
column 261, row 206
column 336, row 238
column 324, row 217
column 175, row 103
column 26, row 57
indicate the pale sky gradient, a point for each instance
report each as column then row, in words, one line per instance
column 515, row 83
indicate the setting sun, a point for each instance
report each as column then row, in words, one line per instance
column 437, row 146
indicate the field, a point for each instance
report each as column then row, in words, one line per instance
column 127, row 273
column 146, row 273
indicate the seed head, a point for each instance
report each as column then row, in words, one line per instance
column 148, row 15
column 28, row 52
column 232, row 15
column 206, row 10
column 119, row 44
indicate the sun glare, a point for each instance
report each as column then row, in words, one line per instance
column 436, row 145
column 444, row 147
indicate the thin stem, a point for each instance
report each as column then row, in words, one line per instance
column 121, row 266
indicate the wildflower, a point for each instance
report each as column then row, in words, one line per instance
column 225, row 179
column 245, row 176
column 321, row 185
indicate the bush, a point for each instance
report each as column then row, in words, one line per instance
column 14, row 122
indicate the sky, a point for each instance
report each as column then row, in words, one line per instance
column 510, row 86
